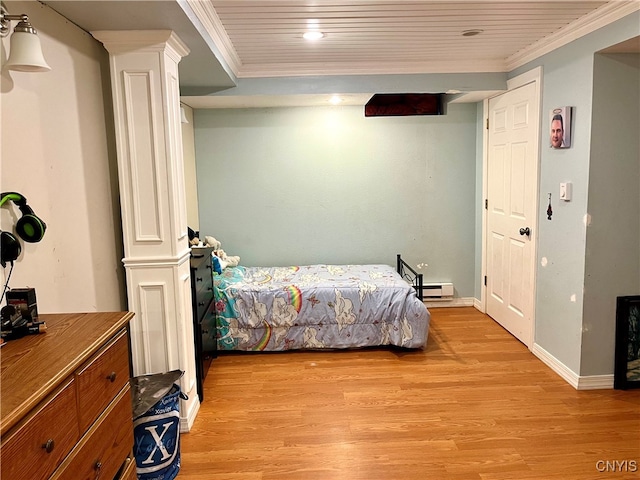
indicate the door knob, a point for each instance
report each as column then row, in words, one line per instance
column 525, row 231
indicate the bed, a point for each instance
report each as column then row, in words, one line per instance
column 319, row 307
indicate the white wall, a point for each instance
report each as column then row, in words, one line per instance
column 190, row 172
column 58, row 150
column 286, row 186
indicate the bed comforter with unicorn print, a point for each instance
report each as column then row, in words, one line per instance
column 317, row 307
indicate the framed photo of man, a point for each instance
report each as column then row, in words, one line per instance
column 560, row 126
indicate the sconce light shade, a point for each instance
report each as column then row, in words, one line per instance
column 26, row 53
column 183, row 116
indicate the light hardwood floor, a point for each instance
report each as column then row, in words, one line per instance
column 475, row 404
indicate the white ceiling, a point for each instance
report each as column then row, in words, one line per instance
column 379, row 37
column 232, row 41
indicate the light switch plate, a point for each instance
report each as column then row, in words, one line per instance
column 565, row 191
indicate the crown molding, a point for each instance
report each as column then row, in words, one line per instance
column 369, row 68
column 599, row 18
column 216, row 33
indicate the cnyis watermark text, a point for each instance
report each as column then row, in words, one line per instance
column 617, row 466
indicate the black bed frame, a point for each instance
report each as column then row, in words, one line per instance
column 410, row 275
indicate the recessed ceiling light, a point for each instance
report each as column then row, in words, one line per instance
column 313, row 35
column 471, row 33
column 335, row 100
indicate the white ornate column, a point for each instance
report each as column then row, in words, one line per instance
column 146, row 99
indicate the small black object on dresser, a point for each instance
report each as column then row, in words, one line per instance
column 204, row 318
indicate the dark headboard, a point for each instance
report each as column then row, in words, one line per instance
column 410, row 275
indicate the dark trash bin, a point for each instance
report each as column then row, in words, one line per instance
column 156, row 425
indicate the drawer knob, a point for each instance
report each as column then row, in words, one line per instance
column 112, row 377
column 98, row 465
column 48, row 445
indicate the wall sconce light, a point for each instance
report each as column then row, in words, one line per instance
column 25, row 53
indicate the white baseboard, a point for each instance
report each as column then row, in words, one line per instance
column 186, row 421
column 591, row 382
column 556, row 365
column 478, row 305
column 595, row 382
column 448, row 302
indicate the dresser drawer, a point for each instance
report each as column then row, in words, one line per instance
column 201, row 272
column 34, row 448
column 203, row 293
column 101, row 379
column 129, row 470
column 203, row 306
column 208, row 331
column 106, row 446
column 202, row 276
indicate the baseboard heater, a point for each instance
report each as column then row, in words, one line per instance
column 435, row 291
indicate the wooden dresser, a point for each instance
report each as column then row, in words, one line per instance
column 204, row 317
column 65, row 406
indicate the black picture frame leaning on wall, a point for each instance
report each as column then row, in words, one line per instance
column 627, row 354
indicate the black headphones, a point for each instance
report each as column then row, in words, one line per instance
column 29, row 228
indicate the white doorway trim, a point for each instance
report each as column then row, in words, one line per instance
column 531, row 76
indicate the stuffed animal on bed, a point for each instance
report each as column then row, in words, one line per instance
column 221, row 260
column 231, row 260
column 212, row 242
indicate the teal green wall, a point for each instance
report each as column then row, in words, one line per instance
column 613, row 237
column 283, row 186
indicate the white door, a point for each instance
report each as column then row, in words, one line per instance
column 512, row 183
